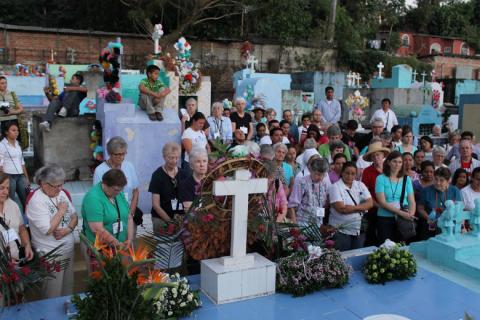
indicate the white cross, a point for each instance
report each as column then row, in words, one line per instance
column 423, row 77
column 349, row 78
column 251, row 62
column 414, row 76
column 358, row 78
column 156, row 35
column 240, row 188
column 433, row 74
column 380, row 67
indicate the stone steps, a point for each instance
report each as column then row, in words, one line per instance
column 470, row 266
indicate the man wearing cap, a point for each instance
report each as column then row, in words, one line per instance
column 376, row 154
column 334, row 134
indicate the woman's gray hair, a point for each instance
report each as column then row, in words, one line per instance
column 438, row 150
column 280, row 145
column 115, row 144
column 378, row 121
column 266, row 151
column 196, row 153
column 319, row 165
column 239, row 99
column 52, row 174
column 191, row 100
column 218, row 105
column 170, row 147
column 310, row 143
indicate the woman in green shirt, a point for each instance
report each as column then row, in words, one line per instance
column 105, row 211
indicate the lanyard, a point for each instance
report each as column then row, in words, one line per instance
column 118, row 214
column 219, row 127
column 394, row 192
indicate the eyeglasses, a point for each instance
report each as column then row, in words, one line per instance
column 55, row 186
column 120, row 154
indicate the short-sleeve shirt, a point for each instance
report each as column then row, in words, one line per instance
column 392, row 191
column 8, row 97
column 339, row 192
column 288, row 173
column 199, row 140
column 167, row 187
column 13, row 219
column 96, row 207
column 154, row 87
column 241, row 121
column 469, row 196
column 433, row 199
column 127, row 168
column 40, row 210
column 186, row 187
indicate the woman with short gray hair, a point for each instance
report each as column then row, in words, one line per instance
column 117, row 151
column 52, row 219
column 438, row 156
column 220, row 126
column 188, row 181
column 309, row 195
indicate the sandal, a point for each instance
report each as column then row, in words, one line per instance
column 152, row 117
column 159, row 116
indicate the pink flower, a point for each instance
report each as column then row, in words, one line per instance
column 208, row 217
column 330, row 244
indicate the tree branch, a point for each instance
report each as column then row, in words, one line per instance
column 215, row 18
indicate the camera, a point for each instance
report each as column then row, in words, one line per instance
column 5, row 107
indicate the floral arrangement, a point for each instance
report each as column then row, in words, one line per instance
column 391, row 262
column 303, row 272
column 187, row 70
column 356, row 106
column 15, row 278
column 109, row 59
column 124, row 284
column 53, row 86
column 175, row 302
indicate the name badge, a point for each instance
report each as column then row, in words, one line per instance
column 320, row 212
column 174, row 203
column 115, row 227
column 10, row 235
column 244, row 130
column 216, row 135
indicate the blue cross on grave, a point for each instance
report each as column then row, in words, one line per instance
column 451, row 220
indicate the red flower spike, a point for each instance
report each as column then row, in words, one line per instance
column 26, row 270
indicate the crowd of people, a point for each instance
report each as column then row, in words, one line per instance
column 368, row 186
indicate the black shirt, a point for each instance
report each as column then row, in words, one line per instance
column 241, row 121
column 163, row 185
column 186, row 186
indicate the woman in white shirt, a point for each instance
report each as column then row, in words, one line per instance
column 52, row 219
column 349, row 200
column 13, row 164
column 194, row 136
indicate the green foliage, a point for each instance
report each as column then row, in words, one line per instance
column 390, row 264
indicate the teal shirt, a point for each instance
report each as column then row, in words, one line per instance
column 392, row 192
column 97, row 208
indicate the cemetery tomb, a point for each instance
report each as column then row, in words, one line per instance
column 420, row 118
column 469, row 115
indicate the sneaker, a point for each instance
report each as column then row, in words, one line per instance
column 152, row 117
column 159, row 116
column 62, row 113
column 45, row 126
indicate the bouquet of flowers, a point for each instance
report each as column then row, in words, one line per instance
column 178, row 301
column 390, row 263
column 304, row 272
column 52, row 86
column 188, row 71
column 356, row 106
column 15, row 278
column 123, row 286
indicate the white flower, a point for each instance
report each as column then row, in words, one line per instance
column 170, row 313
column 189, row 297
column 172, row 302
column 184, row 292
column 174, row 290
column 183, row 304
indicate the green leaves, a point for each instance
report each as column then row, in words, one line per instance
column 390, row 264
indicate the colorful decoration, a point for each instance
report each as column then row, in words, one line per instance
column 109, row 59
column 156, row 35
column 53, row 87
column 356, row 106
column 187, row 70
column 227, row 104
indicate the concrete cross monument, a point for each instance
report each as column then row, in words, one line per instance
column 251, row 62
column 424, row 75
column 380, row 66
column 156, row 35
column 414, row 74
column 349, row 79
column 239, row 276
column 433, row 75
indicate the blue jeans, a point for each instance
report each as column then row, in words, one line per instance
column 18, row 183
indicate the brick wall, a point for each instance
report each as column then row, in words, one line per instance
column 445, row 67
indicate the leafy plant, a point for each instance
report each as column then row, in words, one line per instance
column 390, row 264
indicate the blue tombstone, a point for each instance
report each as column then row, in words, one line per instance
column 420, row 118
column 317, row 81
column 401, row 78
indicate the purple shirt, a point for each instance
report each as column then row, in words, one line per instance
column 334, row 177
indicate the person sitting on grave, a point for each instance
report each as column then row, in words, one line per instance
column 194, row 137
column 386, row 114
column 52, row 219
column 426, row 144
column 220, row 126
column 309, row 195
column 330, row 107
column 396, row 135
column 377, row 129
column 67, row 104
column 12, row 227
column 465, row 160
column 335, row 171
column 188, row 181
column 165, row 189
column 432, row 203
column 302, row 130
column 285, row 125
column 117, row 151
column 241, row 119
column 438, row 155
column 152, row 94
column 349, row 200
column 334, row 134
column 261, row 131
column 407, row 141
column 352, row 138
column 460, row 178
column 472, row 191
column 455, row 150
column 293, row 128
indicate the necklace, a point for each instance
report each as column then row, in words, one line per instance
column 171, row 174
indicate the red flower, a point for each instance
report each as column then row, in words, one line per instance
column 5, row 278
column 14, row 277
column 208, row 217
column 171, row 228
column 57, row 267
column 330, row 244
column 261, row 228
column 26, row 270
column 295, row 232
column 188, row 77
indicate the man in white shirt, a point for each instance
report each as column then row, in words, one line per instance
column 466, row 161
column 330, row 108
column 386, row 114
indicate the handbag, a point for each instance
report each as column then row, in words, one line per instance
column 406, row 228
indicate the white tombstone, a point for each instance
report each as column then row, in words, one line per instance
column 240, row 276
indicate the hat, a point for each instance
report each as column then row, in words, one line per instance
column 258, row 107
column 307, row 154
column 375, row 147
